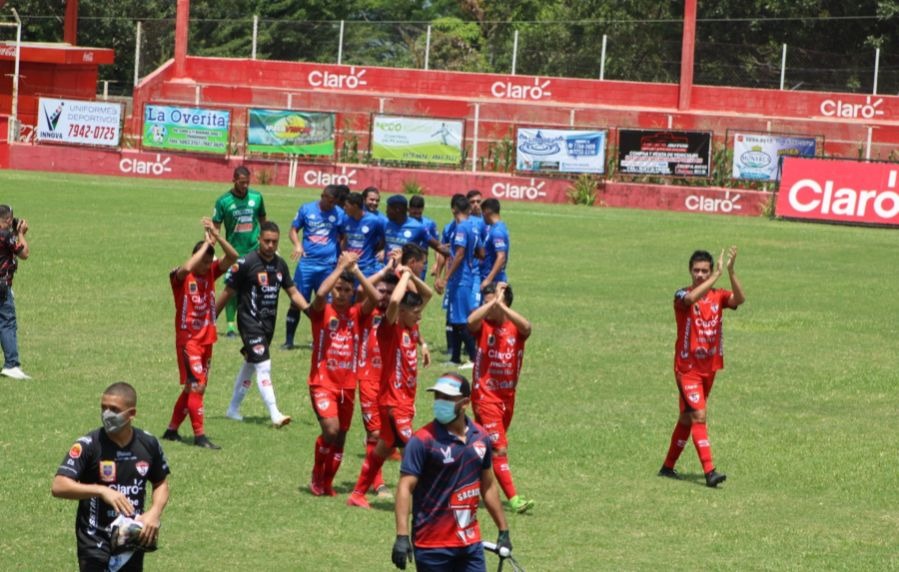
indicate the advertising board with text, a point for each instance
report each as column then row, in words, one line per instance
column 665, row 153
column 759, row 156
column 560, row 150
column 186, row 129
column 79, row 122
column 416, row 139
column 290, row 132
column 839, row 191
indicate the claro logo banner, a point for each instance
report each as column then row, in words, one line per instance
column 839, row 191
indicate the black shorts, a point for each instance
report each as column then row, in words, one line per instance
column 256, row 346
column 98, row 561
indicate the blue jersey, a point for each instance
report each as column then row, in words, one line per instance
column 397, row 235
column 431, row 227
column 497, row 241
column 465, row 237
column 445, row 500
column 363, row 237
column 321, row 233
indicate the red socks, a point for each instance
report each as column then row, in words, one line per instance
column 370, row 468
column 701, row 440
column 504, row 475
column 322, row 456
column 179, row 412
column 379, row 477
column 678, row 442
column 195, row 410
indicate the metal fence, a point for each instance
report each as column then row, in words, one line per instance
column 620, row 50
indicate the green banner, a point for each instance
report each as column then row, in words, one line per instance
column 290, row 132
column 186, row 129
column 416, row 139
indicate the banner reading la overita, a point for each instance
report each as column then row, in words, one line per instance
column 759, row 156
column 186, row 129
column 79, row 122
column 290, row 132
column 561, row 150
column 416, row 139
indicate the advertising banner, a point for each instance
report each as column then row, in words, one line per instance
column 666, row 153
column 186, row 129
column 759, row 156
column 416, row 139
column 290, row 132
column 79, row 122
column 839, row 191
column 560, row 150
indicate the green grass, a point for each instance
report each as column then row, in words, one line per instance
column 803, row 419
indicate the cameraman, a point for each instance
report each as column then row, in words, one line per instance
column 13, row 246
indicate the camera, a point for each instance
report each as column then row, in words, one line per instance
column 15, row 224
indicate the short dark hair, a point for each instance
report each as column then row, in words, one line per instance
column 460, row 203
column 355, row 199
column 199, row 245
column 701, row 256
column 417, row 202
column 411, row 300
column 508, row 296
column 347, row 276
column 331, row 191
column 391, row 278
column 412, row 252
column 491, row 205
column 5, row 211
column 472, row 193
column 125, row 391
column 369, row 190
column 269, row 226
column 241, row 171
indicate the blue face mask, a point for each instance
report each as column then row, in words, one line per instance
column 444, row 411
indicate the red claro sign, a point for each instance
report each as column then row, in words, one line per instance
column 839, row 191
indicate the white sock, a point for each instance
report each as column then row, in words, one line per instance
column 266, row 389
column 241, row 385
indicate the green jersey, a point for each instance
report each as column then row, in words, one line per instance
column 240, row 218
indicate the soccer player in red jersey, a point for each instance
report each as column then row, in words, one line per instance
column 193, row 286
column 398, row 339
column 332, row 376
column 501, row 333
column 699, row 354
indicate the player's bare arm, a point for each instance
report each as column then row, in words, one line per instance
column 296, row 298
column 393, row 307
column 490, row 494
column 368, row 288
column 522, row 323
column 297, row 252
column 422, row 288
column 151, row 519
column 346, row 260
column 404, row 502
column 476, row 318
column 24, row 249
column 66, row 488
column 698, row 292
column 214, row 236
column 438, row 248
column 738, row 297
column 494, row 270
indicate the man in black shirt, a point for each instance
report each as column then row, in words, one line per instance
column 107, row 472
column 256, row 280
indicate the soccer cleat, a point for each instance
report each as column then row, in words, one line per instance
column 14, row 373
column 357, row 500
column 172, row 435
column 316, row 489
column 233, row 414
column 467, row 365
column 281, row 421
column 204, row 442
column 329, row 491
column 231, row 334
column 289, row 346
column 670, row 473
column 521, row 505
column 714, row 478
column 384, row 492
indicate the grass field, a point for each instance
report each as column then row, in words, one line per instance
column 803, row 420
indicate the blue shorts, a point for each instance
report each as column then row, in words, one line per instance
column 460, row 302
column 309, row 277
column 465, row 559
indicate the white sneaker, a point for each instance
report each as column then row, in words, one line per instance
column 14, row 372
column 467, row 365
column 232, row 414
column 281, row 421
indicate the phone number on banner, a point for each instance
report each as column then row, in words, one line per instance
column 96, row 132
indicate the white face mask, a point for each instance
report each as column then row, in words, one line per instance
column 114, row 422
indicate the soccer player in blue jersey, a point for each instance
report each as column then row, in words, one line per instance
column 363, row 233
column 402, row 229
column 496, row 248
column 320, row 222
column 371, row 198
column 446, row 472
column 460, row 281
column 480, row 224
column 416, row 212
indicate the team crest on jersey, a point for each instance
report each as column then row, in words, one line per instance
column 262, row 277
column 510, row 340
column 280, row 277
column 407, row 233
column 365, row 229
column 480, row 449
column 235, row 267
column 406, row 339
column 252, row 203
column 376, row 321
column 107, row 471
column 331, row 218
column 491, row 340
column 192, row 287
column 715, row 308
column 333, row 324
column 142, row 467
column 75, row 451
column 259, row 349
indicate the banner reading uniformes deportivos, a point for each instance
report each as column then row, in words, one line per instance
column 666, row 153
column 79, row 122
column 561, row 150
column 759, row 156
column 416, row 139
column 290, row 132
column 186, row 129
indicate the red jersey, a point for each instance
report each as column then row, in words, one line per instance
column 399, row 358
column 335, row 341
column 700, row 346
column 368, row 363
column 195, row 306
column 498, row 363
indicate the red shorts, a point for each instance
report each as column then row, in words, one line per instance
column 694, row 388
column 396, row 424
column 329, row 402
column 193, row 363
column 495, row 418
column 368, row 404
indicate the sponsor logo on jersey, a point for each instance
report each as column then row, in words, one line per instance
column 323, row 404
column 694, row 397
column 376, row 321
column 75, row 451
column 198, row 368
column 259, row 349
column 262, row 277
column 107, row 471
column 142, row 467
column 480, row 449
